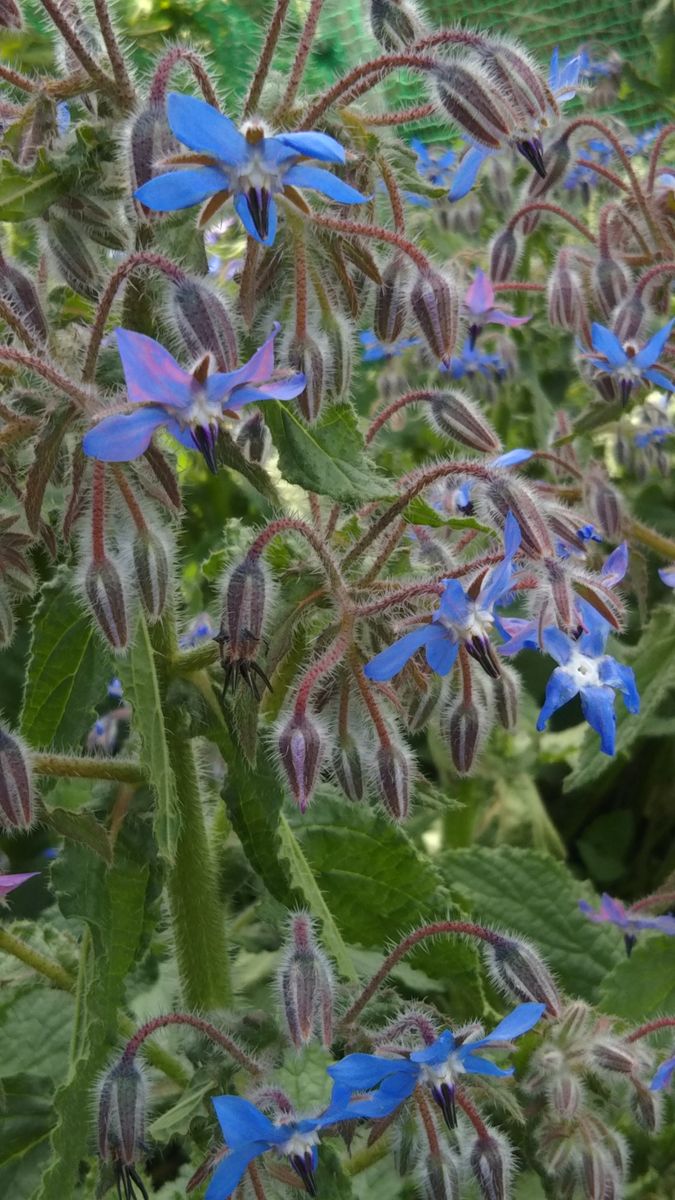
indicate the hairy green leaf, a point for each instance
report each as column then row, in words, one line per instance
column 642, row 986
column 25, row 194
column 26, row 1119
column 327, row 458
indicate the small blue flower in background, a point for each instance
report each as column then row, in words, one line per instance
column 564, row 76
column 458, row 621
column 663, row 1075
column 585, row 534
column 667, row 575
column 472, row 361
column 376, row 351
column 439, row 1065
column 197, row 631
column 433, row 165
column 479, row 305
column 628, row 920
column 249, row 1133
column 189, row 406
column 115, row 689
column 645, row 140
column 63, row 118
column 245, row 164
column 458, row 499
column 630, row 366
column 585, row 670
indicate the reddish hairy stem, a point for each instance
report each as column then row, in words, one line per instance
column 22, row 359
column 394, row 193
column 369, row 702
column 300, row 286
column 654, row 156
column 418, row 113
column 361, row 229
column 653, row 901
column 221, row 1039
column 428, row 1122
column 295, row 525
column 166, row 65
column 519, row 286
column 129, row 498
column 376, row 67
column 142, row 258
column 78, row 47
column 467, row 682
column 125, row 87
column 464, row 928
column 615, row 210
column 320, row 668
column 604, row 171
column 266, row 55
column 472, row 1113
column 256, row 1182
column 667, row 268
column 15, row 323
column 301, row 55
column 17, row 80
column 98, row 513
column 395, row 406
column 385, row 553
column 549, row 456
column 651, row 1027
column 544, row 206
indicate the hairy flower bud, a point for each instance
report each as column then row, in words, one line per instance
column 628, row 318
column 150, row 140
column 308, row 355
column 459, row 418
column 17, row 801
column 565, row 1095
column 306, row 985
column 507, row 696
column 6, row 619
column 10, row 15
column 490, row 1161
column 19, row 291
column 519, row 972
column 505, row 253
column 468, row 94
column 646, row 1105
column 348, row 769
column 391, row 302
column 253, row 439
column 242, row 622
column 391, row 776
column 510, row 495
column 122, row 1104
column 435, row 303
column 614, row 1055
column 204, row 323
column 604, row 505
column 566, row 302
column 104, row 590
column 151, row 567
column 423, row 701
column 395, row 23
column 300, row 744
column 465, row 726
column 73, row 257
column 610, row 283
column 439, row 1175
column 340, row 357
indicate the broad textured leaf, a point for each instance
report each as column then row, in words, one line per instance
column 418, row 512
column 653, row 660
column 327, row 458
column 25, row 194
column 178, row 1118
column 527, row 893
column 642, row 986
column 83, row 828
column 26, row 1120
column 35, row 1028
column 68, row 671
column 141, row 688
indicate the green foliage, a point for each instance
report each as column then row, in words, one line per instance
column 326, row 457
column 26, row 1119
column 642, row 986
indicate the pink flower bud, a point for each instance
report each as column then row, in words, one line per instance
column 17, row 800
column 308, row 354
column 460, row 419
column 152, row 570
column 306, row 985
column 253, row 439
column 469, row 95
column 391, row 302
column 104, row 590
column 465, row 726
column 242, row 622
column 122, row 1105
column 491, row 1161
column 391, row 776
column 19, row 291
column 395, row 23
column 505, row 254
column 518, row 971
column 204, row 323
column 435, row 303
column 301, row 747
column 566, row 301
column 610, row 283
column 348, row 769
column 507, row 696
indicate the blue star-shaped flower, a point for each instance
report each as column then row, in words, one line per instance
column 246, row 164
column 433, row 166
column 190, row 406
column 459, row 621
column 630, row 923
column 472, row 361
column 663, row 1075
column 249, row 1133
column 585, row 670
column 439, row 1065
column 479, row 303
column 626, row 364
column 564, row 76
column 376, row 351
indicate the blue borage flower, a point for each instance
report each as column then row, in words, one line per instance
column 628, row 365
column 461, row 620
column 458, row 499
column 479, row 303
column 563, row 77
column 246, row 164
column 630, row 923
column 197, row 631
column 472, row 361
column 438, row 1065
column 663, row 1075
column 249, row 1133
column 190, row 406
column 585, row 670
column 434, row 166
column 667, row 575
column 375, row 350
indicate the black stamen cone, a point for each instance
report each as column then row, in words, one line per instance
column 304, row 1168
column 474, row 330
column 204, row 439
column 481, row 649
column 445, row 1099
column 259, row 208
column 533, row 151
column 629, row 941
column 626, row 387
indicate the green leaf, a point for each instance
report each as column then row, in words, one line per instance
column 374, row 881
column 26, row 194
column 35, row 1028
column 534, row 896
column 642, row 986
column 418, row 512
column 26, row 1119
column 83, row 828
column 327, row 458
column 653, row 660
column 141, row 687
column 67, row 674
column 178, row 1118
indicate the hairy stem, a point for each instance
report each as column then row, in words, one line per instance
column 125, row 93
column 266, row 56
column 166, row 64
column 651, row 1027
column 70, row 767
column 301, row 55
column 51, row 970
column 69, row 35
column 361, row 229
column 142, row 258
column 210, row 1031
column 21, row 359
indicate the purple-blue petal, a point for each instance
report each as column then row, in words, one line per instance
column 515, row 1024
column 512, row 458
column 392, row 660
column 664, row 1075
column 242, row 1122
column 619, row 676
column 201, row 127
column 557, row 644
column 280, row 389
column 667, row 576
column 243, row 211
column 437, row 1052
column 318, row 180
column 442, row 651
column 181, row 189
column 229, row 1172
column 659, row 379
column 454, row 604
column 559, row 690
column 597, row 704
column 124, row 437
column 652, row 351
column 467, row 172
column 606, row 342
column 361, row 1071
column 475, row 1065
column 615, row 566
column 311, row 144
column 151, row 374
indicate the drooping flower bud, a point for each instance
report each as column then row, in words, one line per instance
column 423, row 703
column 242, row 623
column 204, row 323
column 6, row 619
column 341, row 358
column 306, row 985
column 610, row 283
column 150, row 140
column 253, row 439
column 73, row 257
column 308, row 355
column 348, row 769
column 459, row 418
column 301, row 747
column 151, row 567
column 19, row 291
column 505, row 254
column 604, row 505
column 566, row 301
column 468, row 94
column 510, row 495
column 519, row 972
column 465, row 726
column 646, row 1105
column 439, row 1175
column 122, row 1105
column 507, row 689
column 17, row 800
column 565, row 1095
column 391, row 777
column 391, row 302
column 596, row 1171
column 104, row 589
column 490, row 1161
column 435, row 303
column 559, row 584
column 628, row 318
column 395, row 23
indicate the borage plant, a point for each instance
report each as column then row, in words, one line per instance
column 273, row 718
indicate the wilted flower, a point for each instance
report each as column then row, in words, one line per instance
column 246, row 164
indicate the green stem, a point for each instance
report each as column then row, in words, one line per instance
column 197, row 914
column 73, row 767
column 39, row 962
column 79, row 1017
column 649, row 537
column 185, row 662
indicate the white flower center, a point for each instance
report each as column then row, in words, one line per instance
column 583, row 670
column 298, row 1145
column 478, row 624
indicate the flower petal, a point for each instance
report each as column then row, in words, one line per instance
column 181, row 189
column 244, row 213
column 559, row 690
column 359, row 1071
column 499, row 317
column 257, row 370
column 314, row 145
column 442, row 652
column 152, row 375
column 480, row 295
column 242, row 1122
column 558, row 645
column 9, row 882
column 319, row 180
column 437, row 1052
column 454, row 605
column 663, row 1075
column 280, row 389
column 607, row 343
column 615, row 566
column 659, row 379
column 124, row 437
column 475, row 1065
column 597, row 704
column 201, row 127
column 512, row 458
column 392, row 660
column 619, row 676
column 229, row 1172
column 667, row 576
column 520, row 1021
column 467, row 171
column 654, row 348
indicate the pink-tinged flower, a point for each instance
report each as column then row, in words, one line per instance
column 9, row 882
column 479, row 303
column 628, row 920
